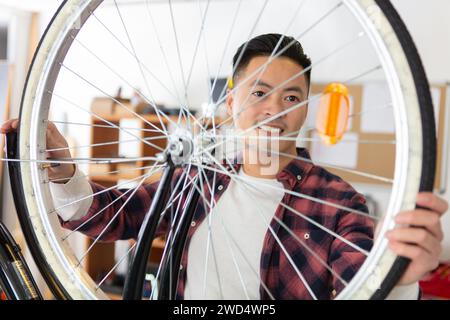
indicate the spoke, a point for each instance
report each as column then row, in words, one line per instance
column 172, row 201
column 248, row 262
column 53, row 162
column 152, row 171
column 119, row 103
column 294, row 18
column 105, row 173
column 293, row 108
column 173, row 218
column 314, row 254
column 227, row 44
column 363, row 74
column 240, row 251
column 140, row 67
column 192, row 181
column 96, row 215
column 197, row 45
column 99, row 160
column 297, row 132
column 112, row 220
column 297, row 194
column 116, row 265
column 284, row 138
column 388, row 106
column 274, row 117
column 186, row 109
column 288, row 256
column 232, row 239
column 208, row 69
column 170, row 204
column 295, row 76
column 241, row 55
column 151, row 103
column 131, row 53
column 174, row 29
column 210, row 242
column 108, row 122
column 303, row 244
column 101, row 126
column 162, row 49
column 104, row 144
column 180, row 65
column 232, row 252
column 326, row 165
column 293, row 234
column 309, row 129
column 235, row 176
column 201, row 36
column 105, row 190
column 245, row 80
column 365, row 252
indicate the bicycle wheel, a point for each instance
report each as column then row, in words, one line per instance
column 171, row 49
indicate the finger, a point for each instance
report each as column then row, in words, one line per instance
column 415, row 253
column 51, row 126
column 55, row 139
column 422, row 218
column 9, row 125
column 416, row 236
column 433, row 202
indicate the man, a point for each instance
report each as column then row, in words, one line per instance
column 263, row 215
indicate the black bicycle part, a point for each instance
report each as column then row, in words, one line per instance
column 15, row 276
column 429, row 146
column 170, row 266
column 24, row 218
column 134, row 282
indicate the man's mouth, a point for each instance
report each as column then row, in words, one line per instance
column 273, row 130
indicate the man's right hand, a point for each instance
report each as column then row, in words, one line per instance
column 54, row 140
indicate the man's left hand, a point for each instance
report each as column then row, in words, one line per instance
column 420, row 238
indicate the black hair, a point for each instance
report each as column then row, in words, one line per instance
column 265, row 45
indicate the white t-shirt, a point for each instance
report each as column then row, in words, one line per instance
column 241, row 215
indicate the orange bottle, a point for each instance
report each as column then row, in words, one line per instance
column 332, row 117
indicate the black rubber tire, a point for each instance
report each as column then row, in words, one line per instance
column 428, row 129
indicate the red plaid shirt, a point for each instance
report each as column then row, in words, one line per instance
column 276, row 271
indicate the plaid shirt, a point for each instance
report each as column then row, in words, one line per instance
column 276, row 271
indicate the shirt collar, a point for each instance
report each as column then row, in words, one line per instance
column 293, row 172
column 297, row 168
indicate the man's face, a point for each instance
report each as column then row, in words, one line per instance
column 249, row 106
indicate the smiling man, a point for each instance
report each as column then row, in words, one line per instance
column 256, row 225
column 260, row 98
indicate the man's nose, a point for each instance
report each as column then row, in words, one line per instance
column 273, row 107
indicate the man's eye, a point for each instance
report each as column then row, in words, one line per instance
column 292, row 99
column 259, row 94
